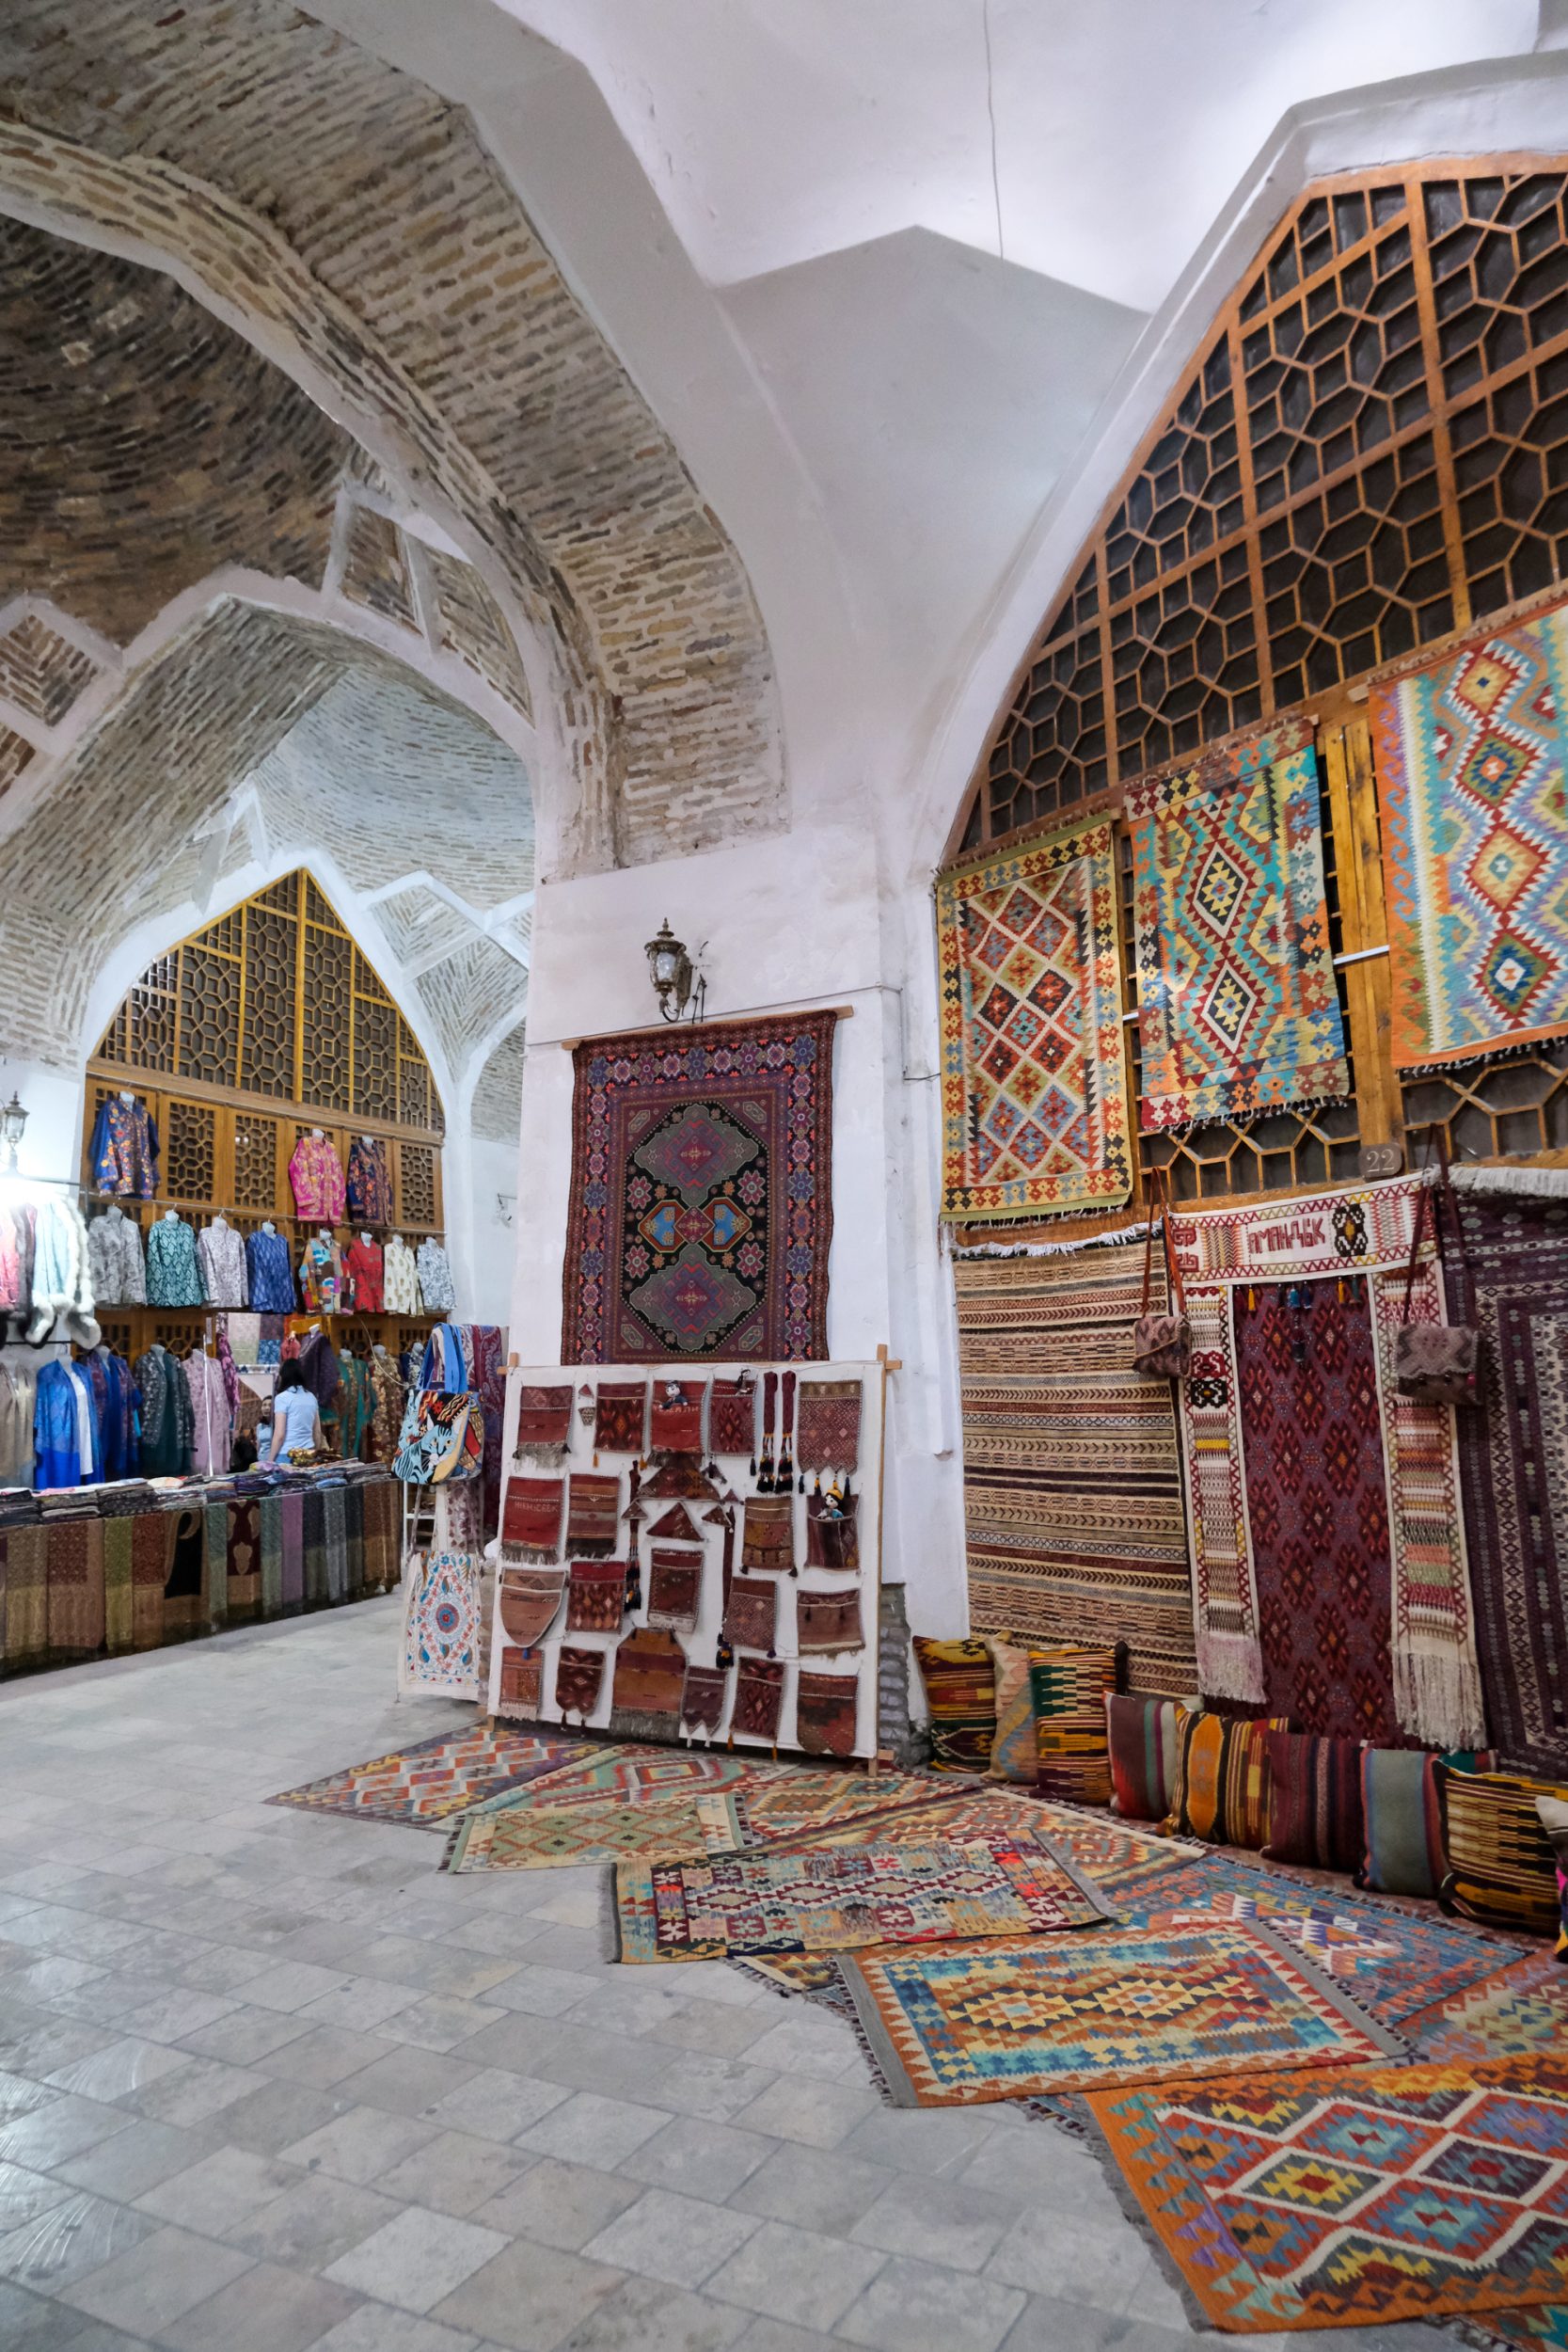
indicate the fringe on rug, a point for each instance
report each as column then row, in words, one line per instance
column 605, row 1550
column 1437, row 1697
column 1540, row 1184
column 1230, row 1666
column 635, row 1722
column 610, row 1917
column 533, row 1556
column 1056, row 1248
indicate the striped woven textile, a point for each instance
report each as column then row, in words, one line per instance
column 1073, row 1483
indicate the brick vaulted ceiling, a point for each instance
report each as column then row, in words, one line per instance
column 358, row 212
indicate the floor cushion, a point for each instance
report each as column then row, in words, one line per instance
column 1500, row 1870
column 1068, row 1687
column 1221, row 1788
column 1554, row 1821
column 960, row 1694
column 1142, row 1737
column 1315, row 1801
column 1012, row 1747
column 1403, row 1850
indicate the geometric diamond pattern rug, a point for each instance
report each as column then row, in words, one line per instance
column 835, row 1900
column 1521, row 2009
column 1471, row 789
column 954, row 2028
column 617, row 1770
column 551, row 1838
column 1342, row 2201
column 424, row 1784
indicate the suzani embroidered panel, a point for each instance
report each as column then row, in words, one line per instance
column 701, row 1195
column 1471, row 790
column 1034, row 1081
column 1238, row 1010
column 1327, row 1237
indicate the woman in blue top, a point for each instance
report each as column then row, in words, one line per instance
column 297, row 1421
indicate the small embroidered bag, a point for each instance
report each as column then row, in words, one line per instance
column 1438, row 1362
column 1162, row 1344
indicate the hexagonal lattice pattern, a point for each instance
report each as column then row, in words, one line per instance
column 150, row 1041
column 1317, row 232
column 1188, row 493
column 1357, row 573
column 255, row 1162
column 415, row 1185
column 1052, row 750
column 324, row 1013
column 375, row 1050
column 1510, row 468
column 268, row 1060
column 1185, row 663
column 190, row 1143
column 1517, row 1104
column 209, row 1016
column 1336, row 373
column 1499, row 267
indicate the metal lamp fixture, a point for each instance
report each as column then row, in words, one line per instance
column 13, row 1119
column 676, row 978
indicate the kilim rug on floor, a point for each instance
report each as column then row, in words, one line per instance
column 826, row 1899
column 1523, row 2007
column 1513, row 1466
column 1343, row 2201
column 617, row 1770
column 541, row 1836
column 424, row 1784
column 1317, row 1502
column 1072, row 1477
column 963, row 2025
column 701, row 1194
column 1034, row 1074
column 1072, row 1492
column 795, row 1801
column 1365, row 1231
column 1238, row 1009
column 1469, row 753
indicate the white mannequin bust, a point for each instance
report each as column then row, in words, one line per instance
column 267, row 1226
column 367, row 1239
column 319, row 1133
column 126, row 1095
column 171, row 1217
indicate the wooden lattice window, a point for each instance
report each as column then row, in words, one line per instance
column 1369, row 453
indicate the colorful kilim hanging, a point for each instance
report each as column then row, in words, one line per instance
column 731, row 1416
column 544, row 1422
column 675, row 1417
column 1238, row 1010
column 1034, row 1076
column 440, row 1628
column 527, row 1600
column 767, row 1534
column 1513, row 1466
column 674, row 1588
column 530, row 1519
column 552, row 1838
column 424, row 1785
column 1317, row 1497
column 1072, row 1473
column 1326, row 2199
column 1368, row 1231
column 597, row 1596
column 701, row 1194
column 621, row 1416
column 827, row 1711
column 1469, row 752
column 593, row 1514
column 759, row 1697
column 827, row 1426
column 839, row 1898
column 578, row 1679
column 828, row 1622
column 650, row 1676
column 958, row 2027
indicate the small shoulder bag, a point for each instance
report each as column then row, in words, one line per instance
column 1162, row 1344
column 1438, row 1362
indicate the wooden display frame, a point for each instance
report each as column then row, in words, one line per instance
column 735, row 1474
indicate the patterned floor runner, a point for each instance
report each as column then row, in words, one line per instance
column 1012, row 2020
column 1522, row 2009
column 544, row 1837
column 424, row 1784
column 833, row 1899
column 1341, row 2199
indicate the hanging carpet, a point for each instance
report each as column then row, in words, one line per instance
column 578, row 1679
column 731, row 1416
column 544, row 1422
column 440, row 1627
column 1365, row 1231
column 1072, row 1480
column 759, row 1697
column 528, row 1599
column 674, row 1589
column 1034, row 1073
column 767, row 1534
column 593, row 1514
column 1469, row 752
column 597, row 1596
column 701, row 1194
column 1238, row 1009
column 827, row 1711
column 650, row 1676
column 675, row 1417
column 530, row 1519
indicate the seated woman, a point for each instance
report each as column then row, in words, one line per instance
column 297, row 1421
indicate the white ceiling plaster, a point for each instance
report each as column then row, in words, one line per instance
column 774, row 130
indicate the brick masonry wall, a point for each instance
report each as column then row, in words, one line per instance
column 498, row 1103
column 332, row 198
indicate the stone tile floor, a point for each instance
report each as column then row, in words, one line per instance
column 269, row 2081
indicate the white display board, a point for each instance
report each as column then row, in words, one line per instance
column 733, row 1477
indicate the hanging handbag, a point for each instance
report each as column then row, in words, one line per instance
column 1162, row 1344
column 1438, row 1362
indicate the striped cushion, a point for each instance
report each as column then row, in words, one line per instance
column 1403, row 1850
column 961, row 1692
column 1501, row 1869
column 1314, row 1801
column 1012, row 1749
column 1142, row 1734
column 1554, row 1821
column 1069, row 1688
column 1221, row 1789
